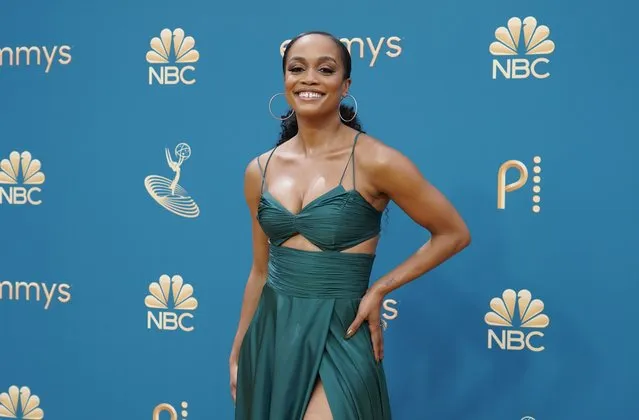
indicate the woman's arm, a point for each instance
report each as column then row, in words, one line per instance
column 392, row 174
column 396, row 176
column 257, row 275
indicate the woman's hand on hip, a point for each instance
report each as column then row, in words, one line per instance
column 370, row 308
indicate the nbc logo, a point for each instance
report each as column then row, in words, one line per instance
column 503, row 315
column 522, row 170
column 390, row 312
column 535, row 43
column 168, row 193
column 10, row 174
column 170, row 293
column 173, row 414
column 26, row 56
column 20, row 404
column 172, row 46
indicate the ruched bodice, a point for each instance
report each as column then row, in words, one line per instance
column 337, row 220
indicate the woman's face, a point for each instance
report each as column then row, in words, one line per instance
column 314, row 76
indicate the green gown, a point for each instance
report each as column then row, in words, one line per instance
column 308, row 302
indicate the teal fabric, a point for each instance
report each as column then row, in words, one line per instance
column 309, row 300
column 337, row 220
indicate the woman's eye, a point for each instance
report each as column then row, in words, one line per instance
column 295, row 69
column 327, row 70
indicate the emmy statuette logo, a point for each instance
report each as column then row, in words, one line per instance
column 168, row 193
column 173, row 413
column 502, row 315
column 508, row 43
column 172, row 47
column 522, row 171
column 21, row 174
column 20, row 403
column 173, row 299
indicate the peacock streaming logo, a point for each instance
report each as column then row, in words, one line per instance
column 170, row 304
column 21, row 290
column 531, row 320
column 522, row 178
column 167, row 192
column 173, row 413
column 20, row 403
column 509, row 44
column 172, row 56
column 367, row 48
column 20, row 177
column 35, row 56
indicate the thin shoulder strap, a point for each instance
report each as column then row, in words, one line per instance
column 259, row 165
column 351, row 157
column 265, row 167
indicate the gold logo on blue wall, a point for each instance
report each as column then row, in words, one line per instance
column 531, row 318
column 39, row 56
column 367, row 48
column 175, row 302
column 20, row 168
column 509, row 43
column 172, row 47
column 168, row 192
column 522, row 172
column 390, row 312
column 20, row 403
column 173, row 413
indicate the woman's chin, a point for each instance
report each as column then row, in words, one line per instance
column 311, row 111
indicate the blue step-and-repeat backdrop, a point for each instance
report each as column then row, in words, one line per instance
column 125, row 239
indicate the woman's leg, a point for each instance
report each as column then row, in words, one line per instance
column 318, row 408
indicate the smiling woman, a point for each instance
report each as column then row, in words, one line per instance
column 299, row 352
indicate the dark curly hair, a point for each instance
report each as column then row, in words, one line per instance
column 289, row 125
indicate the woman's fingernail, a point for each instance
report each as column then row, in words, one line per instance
column 349, row 333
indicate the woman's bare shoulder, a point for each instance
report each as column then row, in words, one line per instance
column 256, row 164
column 375, row 155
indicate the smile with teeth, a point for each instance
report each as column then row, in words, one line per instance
column 310, row 95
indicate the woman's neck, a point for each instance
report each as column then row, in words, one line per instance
column 318, row 136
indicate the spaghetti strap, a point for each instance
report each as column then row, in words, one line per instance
column 259, row 165
column 351, row 157
column 265, row 167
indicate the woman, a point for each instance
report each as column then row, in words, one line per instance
column 309, row 341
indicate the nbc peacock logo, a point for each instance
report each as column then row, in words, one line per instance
column 168, row 193
column 531, row 319
column 20, row 176
column 536, row 42
column 172, row 47
column 20, row 403
column 173, row 301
